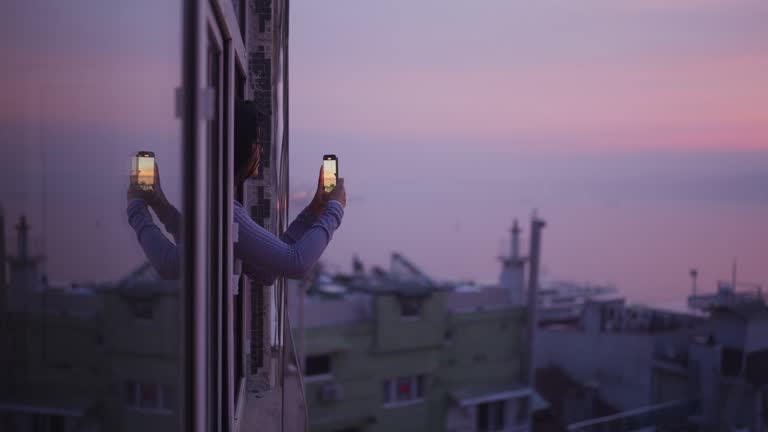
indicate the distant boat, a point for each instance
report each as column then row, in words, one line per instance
column 562, row 301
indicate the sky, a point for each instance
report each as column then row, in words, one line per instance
column 638, row 130
column 84, row 86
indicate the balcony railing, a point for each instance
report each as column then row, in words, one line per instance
column 674, row 413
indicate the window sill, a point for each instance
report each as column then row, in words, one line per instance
column 156, row 411
column 318, row 378
column 400, row 404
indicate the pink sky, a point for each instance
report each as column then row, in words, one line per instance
column 626, row 124
column 621, row 75
column 638, row 129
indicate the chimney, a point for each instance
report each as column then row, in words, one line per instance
column 23, row 239
column 537, row 225
column 694, row 277
column 515, row 253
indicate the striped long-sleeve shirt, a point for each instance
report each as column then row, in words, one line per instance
column 264, row 256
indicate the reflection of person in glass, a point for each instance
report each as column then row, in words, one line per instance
column 263, row 255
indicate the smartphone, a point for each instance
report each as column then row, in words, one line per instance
column 144, row 170
column 330, row 171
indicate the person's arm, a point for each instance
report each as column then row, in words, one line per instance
column 265, row 256
column 161, row 253
column 299, row 226
column 295, row 231
column 171, row 219
column 311, row 213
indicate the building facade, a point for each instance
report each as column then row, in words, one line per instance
column 405, row 357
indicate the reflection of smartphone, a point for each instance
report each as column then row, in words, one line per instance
column 144, row 170
column 330, row 172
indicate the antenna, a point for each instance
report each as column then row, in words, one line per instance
column 43, row 180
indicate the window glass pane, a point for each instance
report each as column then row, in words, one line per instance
column 522, row 410
column 420, row 386
column 170, row 398
column 482, row 417
column 498, row 414
column 318, row 365
column 404, row 386
column 148, row 396
column 410, row 307
column 129, row 394
column 89, row 275
column 386, row 391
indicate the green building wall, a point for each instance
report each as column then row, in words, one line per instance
column 454, row 350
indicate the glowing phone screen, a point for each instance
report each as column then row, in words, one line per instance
column 329, row 174
column 146, row 171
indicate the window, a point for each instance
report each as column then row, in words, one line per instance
column 522, row 410
column 318, row 365
column 149, row 397
column 410, row 307
column 142, row 310
column 403, row 390
column 490, row 416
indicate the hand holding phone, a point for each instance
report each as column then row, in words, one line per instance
column 145, row 181
column 329, row 185
column 339, row 193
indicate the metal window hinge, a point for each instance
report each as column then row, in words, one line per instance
column 237, row 271
column 207, row 99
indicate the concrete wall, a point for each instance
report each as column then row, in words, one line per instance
column 487, row 298
column 757, row 335
column 66, row 355
column 397, row 333
column 620, row 363
column 328, row 312
column 484, row 347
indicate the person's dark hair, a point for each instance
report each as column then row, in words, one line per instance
column 249, row 122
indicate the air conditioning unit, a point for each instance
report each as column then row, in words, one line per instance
column 331, row 392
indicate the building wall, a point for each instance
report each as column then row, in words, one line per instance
column 395, row 333
column 483, row 347
column 70, row 357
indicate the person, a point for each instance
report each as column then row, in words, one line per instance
column 263, row 255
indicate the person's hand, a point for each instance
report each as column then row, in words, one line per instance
column 133, row 190
column 339, row 193
column 321, row 197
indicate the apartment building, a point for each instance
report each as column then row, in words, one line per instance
column 392, row 350
column 663, row 369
